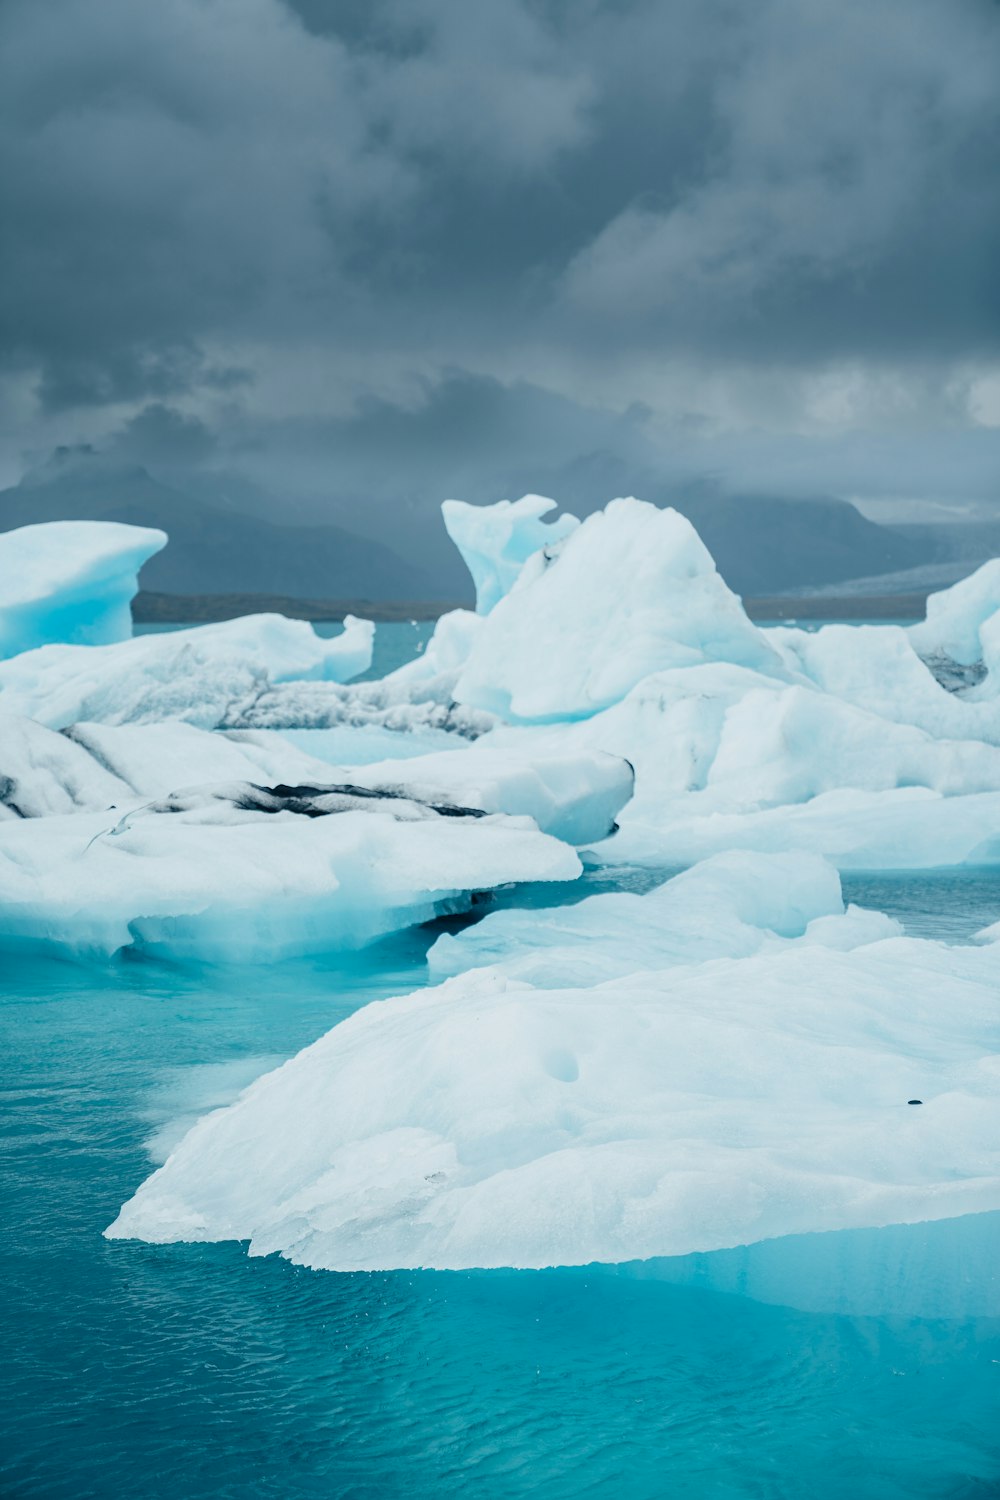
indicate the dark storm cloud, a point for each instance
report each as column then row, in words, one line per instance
column 203, row 194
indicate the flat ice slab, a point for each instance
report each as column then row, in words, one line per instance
column 489, row 1123
column 729, row 906
column 70, row 581
column 221, row 874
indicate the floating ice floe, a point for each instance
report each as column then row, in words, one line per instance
column 730, row 906
column 487, row 1122
column 247, row 872
column 205, row 675
column 70, row 581
column 275, row 837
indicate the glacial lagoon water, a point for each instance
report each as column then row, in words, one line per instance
column 188, row 1370
column 184, row 1371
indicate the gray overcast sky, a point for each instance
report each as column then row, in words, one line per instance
column 394, row 249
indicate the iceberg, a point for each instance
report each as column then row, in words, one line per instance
column 488, row 1122
column 204, row 675
column 70, row 581
column 729, row 906
column 497, row 540
column 875, row 667
column 247, row 873
column 632, row 591
column 730, row 758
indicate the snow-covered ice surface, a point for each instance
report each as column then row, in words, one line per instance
column 70, row 581
column 488, row 1122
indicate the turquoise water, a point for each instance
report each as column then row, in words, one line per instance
column 186, row 1371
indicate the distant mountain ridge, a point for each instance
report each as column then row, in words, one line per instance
column 214, row 550
column 762, row 544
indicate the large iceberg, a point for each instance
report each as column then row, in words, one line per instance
column 70, row 581
column 633, row 590
column 488, row 1122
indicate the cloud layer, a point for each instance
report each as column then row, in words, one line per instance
column 767, row 224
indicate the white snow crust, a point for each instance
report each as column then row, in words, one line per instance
column 70, row 581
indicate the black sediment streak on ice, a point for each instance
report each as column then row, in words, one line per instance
column 304, row 800
column 76, row 735
column 322, row 801
column 953, row 675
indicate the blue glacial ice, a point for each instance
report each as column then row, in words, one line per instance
column 70, row 581
column 496, row 540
